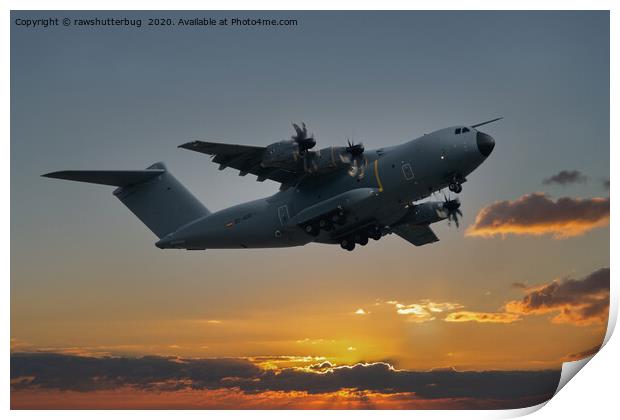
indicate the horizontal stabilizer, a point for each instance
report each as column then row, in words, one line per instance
column 153, row 195
column 114, row 178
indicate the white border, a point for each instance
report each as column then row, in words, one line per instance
column 592, row 395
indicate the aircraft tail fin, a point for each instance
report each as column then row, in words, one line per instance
column 154, row 195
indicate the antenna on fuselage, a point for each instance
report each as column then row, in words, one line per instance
column 486, row 122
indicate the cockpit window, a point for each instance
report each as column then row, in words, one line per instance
column 465, row 130
column 457, row 131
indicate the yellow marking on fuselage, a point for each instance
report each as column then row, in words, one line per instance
column 377, row 175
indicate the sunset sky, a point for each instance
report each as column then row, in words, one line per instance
column 522, row 285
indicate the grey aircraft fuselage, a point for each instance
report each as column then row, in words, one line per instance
column 395, row 178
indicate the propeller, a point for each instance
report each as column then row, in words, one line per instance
column 354, row 155
column 302, row 139
column 452, row 209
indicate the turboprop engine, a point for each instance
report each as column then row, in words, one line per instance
column 295, row 152
column 286, row 153
column 283, row 154
column 435, row 211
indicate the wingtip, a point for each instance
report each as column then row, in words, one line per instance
column 186, row 145
column 51, row 174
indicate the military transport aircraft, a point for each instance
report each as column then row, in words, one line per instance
column 335, row 195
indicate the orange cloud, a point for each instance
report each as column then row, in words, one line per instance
column 537, row 214
column 282, row 362
column 485, row 317
column 581, row 355
column 231, row 399
column 424, row 310
column 579, row 302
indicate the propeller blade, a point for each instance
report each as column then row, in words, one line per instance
column 451, row 210
column 301, row 138
column 354, row 155
column 353, row 169
column 486, row 122
column 362, row 171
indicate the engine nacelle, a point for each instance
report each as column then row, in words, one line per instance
column 325, row 160
column 283, row 154
column 426, row 213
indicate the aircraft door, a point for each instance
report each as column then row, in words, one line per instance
column 283, row 215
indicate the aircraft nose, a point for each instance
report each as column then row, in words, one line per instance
column 485, row 143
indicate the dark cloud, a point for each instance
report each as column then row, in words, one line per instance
column 566, row 178
column 580, row 302
column 537, row 214
column 519, row 285
column 78, row 373
column 606, row 183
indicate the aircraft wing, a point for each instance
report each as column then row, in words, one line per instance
column 247, row 159
column 418, row 235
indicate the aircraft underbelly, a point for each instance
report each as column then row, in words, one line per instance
column 250, row 225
